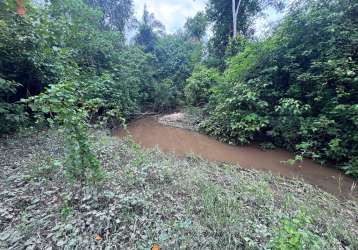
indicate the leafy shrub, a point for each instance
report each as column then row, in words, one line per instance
column 125, row 87
column 198, row 85
column 292, row 234
column 33, row 51
column 164, row 96
column 12, row 115
column 174, row 58
column 236, row 113
column 64, row 106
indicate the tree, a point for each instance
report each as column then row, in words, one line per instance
column 233, row 18
column 116, row 13
column 149, row 29
column 198, row 88
column 235, row 12
column 174, row 60
column 196, row 26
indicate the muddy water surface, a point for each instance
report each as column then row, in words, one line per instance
column 149, row 133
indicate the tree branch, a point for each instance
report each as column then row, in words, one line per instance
column 237, row 8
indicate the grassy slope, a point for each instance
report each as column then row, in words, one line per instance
column 151, row 197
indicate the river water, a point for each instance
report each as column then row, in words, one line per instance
column 149, row 133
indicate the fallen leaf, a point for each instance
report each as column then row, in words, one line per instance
column 98, row 237
column 155, row 247
column 20, row 9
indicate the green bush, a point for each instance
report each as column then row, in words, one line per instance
column 199, row 84
column 293, row 234
column 126, row 87
column 12, row 115
column 236, row 113
column 63, row 105
column 164, row 96
column 174, row 59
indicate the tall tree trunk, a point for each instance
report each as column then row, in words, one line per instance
column 235, row 13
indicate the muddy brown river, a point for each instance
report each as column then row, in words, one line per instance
column 149, row 133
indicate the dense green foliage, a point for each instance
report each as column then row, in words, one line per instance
column 199, row 85
column 292, row 234
column 175, row 58
column 298, row 88
column 70, row 61
column 196, row 26
column 117, row 14
column 64, row 104
column 11, row 114
column 219, row 12
column 51, row 42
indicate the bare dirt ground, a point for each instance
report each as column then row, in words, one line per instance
column 179, row 120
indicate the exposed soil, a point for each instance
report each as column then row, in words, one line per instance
column 179, row 120
column 149, row 133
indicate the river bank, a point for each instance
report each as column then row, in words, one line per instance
column 148, row 196
column 176, row 133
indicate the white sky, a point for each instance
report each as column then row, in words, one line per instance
column 173, row 13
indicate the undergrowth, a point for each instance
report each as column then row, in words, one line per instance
column 148, row 197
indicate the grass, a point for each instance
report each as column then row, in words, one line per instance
column 148, row 197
